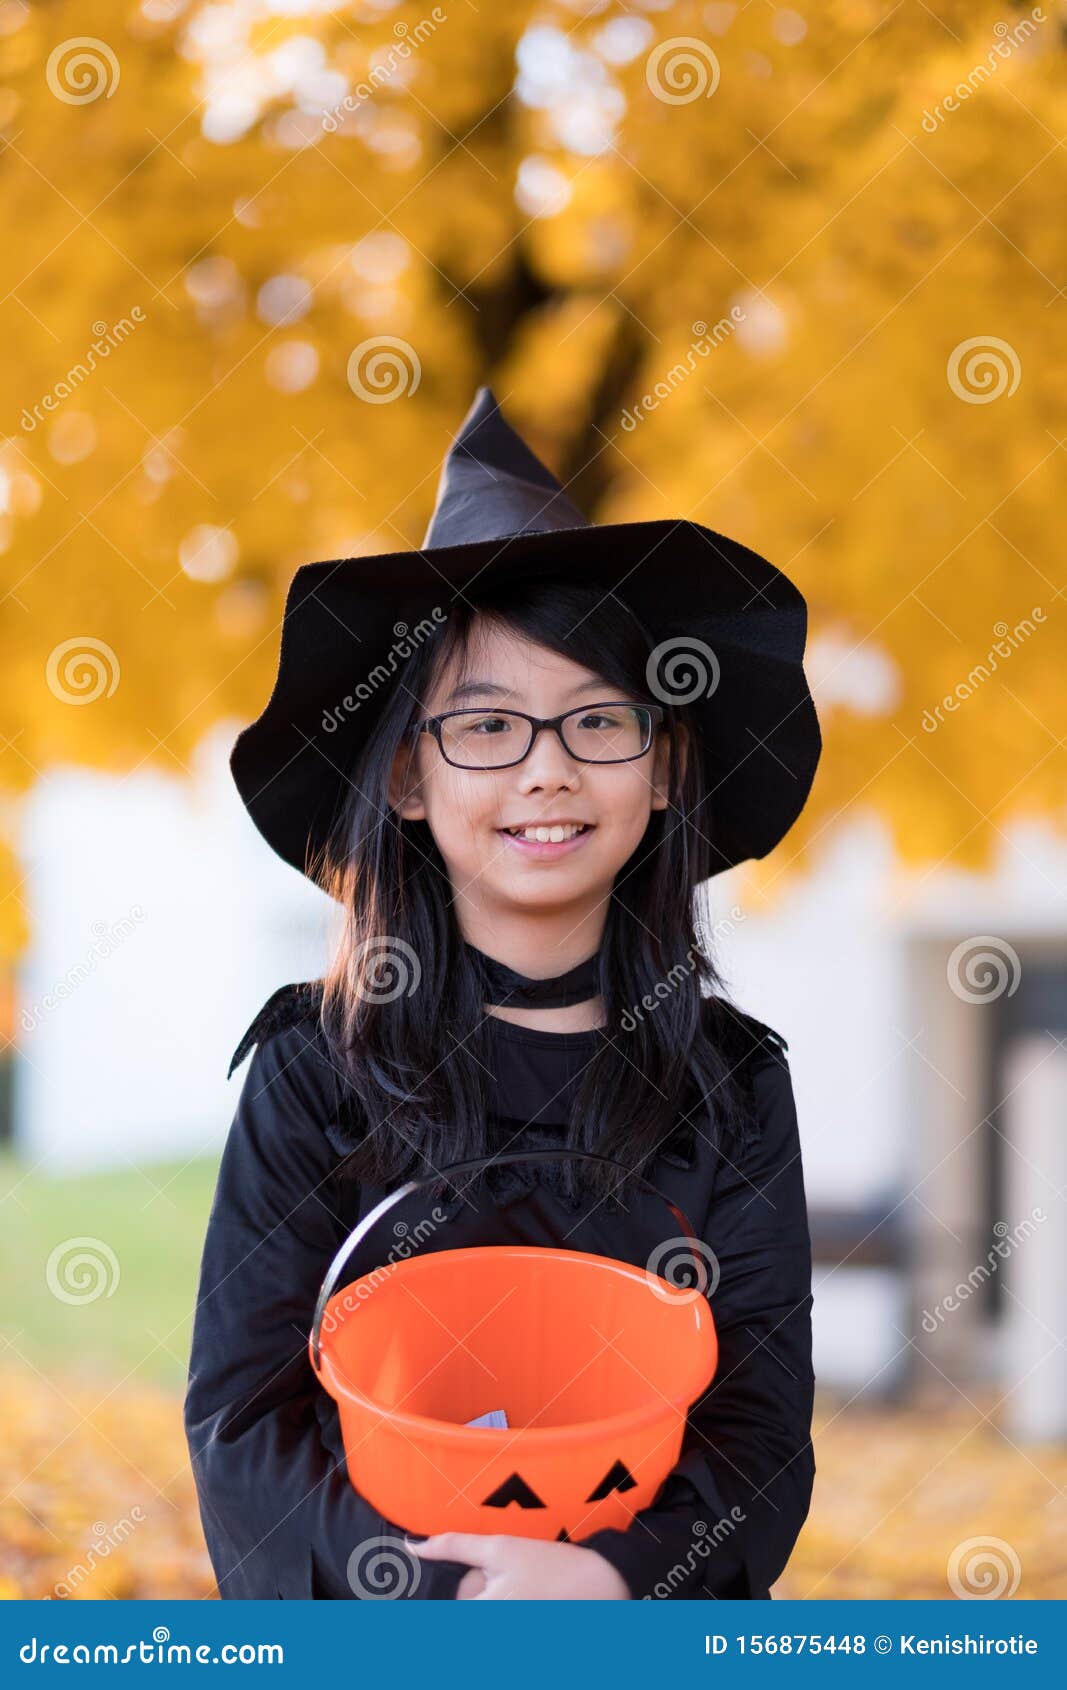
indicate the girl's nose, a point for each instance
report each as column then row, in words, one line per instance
column 548, row 762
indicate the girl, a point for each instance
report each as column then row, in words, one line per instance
column 514, row 813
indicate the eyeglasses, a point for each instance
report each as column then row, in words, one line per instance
column 498, row 739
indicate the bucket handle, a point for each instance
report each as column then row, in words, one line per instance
column 475, row 1165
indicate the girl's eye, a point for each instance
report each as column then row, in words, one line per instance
column 486, row 724
column 601, row 720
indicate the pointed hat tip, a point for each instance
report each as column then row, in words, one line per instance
column 493, row 485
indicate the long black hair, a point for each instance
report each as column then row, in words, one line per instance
column 418, row 1060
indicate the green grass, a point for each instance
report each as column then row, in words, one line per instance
column 140, row 1322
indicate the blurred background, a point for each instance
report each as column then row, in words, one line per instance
column 798, row 273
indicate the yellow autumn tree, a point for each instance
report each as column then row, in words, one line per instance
column 799, row 278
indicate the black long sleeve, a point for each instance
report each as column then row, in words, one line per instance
column 280, row 1515
column 726, row 1518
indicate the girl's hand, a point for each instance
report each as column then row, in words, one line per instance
column 505, row 1568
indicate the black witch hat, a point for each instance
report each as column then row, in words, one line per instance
column 727, row 627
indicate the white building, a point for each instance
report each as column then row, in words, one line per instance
column 926, row 1016
column 162, row 923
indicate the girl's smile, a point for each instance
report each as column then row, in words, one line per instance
column 546, row 841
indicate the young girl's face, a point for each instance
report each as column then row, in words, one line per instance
column 469, row 811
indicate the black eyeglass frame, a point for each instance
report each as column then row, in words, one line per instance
column 432, row 724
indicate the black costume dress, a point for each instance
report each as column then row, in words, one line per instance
column 280, row 1516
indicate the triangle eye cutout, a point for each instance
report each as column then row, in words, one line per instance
column 618, row 1477
column 514, row 1489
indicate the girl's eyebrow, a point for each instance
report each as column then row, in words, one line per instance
column 470, row 689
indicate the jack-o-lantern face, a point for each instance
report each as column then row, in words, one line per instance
column 516, row 1490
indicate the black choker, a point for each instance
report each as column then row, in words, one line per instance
column 503, row 985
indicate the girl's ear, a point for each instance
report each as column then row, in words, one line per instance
column 403, row 795
column 661, row 758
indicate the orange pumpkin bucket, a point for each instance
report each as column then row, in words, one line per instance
column 594, row 1361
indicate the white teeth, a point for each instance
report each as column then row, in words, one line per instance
column 548, row 835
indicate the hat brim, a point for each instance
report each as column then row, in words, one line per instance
column 346, row 620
